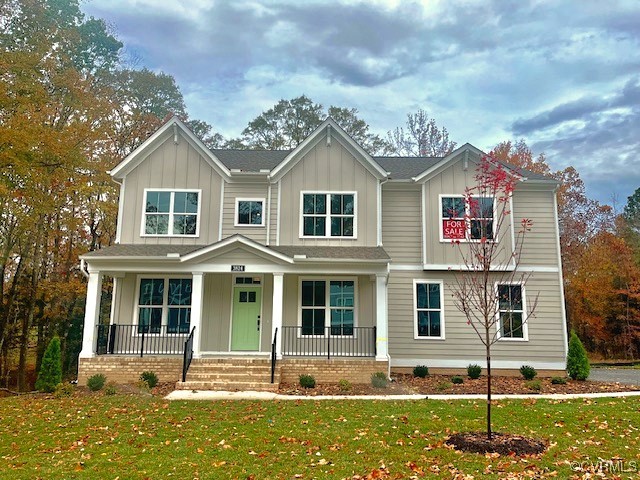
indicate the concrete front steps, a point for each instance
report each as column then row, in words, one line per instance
column 231, row 374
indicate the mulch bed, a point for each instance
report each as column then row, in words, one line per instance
column 441, row 384
column 500, row 443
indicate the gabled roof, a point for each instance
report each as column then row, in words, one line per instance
column 237, row 240
column 132, row 160
column 328, row 127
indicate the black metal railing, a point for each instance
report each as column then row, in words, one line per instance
column 273, row 355
column 188, row 354
column 140, row 340
column 329, row 342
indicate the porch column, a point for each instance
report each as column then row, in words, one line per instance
column 197, row 294
column 382, row 323
column 276, row 314
column 91, row 315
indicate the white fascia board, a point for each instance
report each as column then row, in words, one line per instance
column 337, row 134
column 134, row 158
column 428, row 173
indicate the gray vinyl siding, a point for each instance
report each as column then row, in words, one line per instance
column 540, row 245
column 234, row 191
column 273, row 218
column 329, row 169
column 177, row 167
column 127, row 288
column 401, row 226
column 461, row 342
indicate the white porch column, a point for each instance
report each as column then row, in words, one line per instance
column 382, row 323
column 91, row 315
column 197, row 295
column 276, row 314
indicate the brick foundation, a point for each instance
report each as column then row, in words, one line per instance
column 121, row 369
column 330, row 370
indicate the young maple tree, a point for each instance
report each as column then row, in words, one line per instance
column 490, row 253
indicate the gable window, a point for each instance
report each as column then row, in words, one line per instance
column 428, row 311
column 460, row 220
column 327, row 305
column 164, row 302
column 511, row 319
column 249, row 212
column 172, row 213
column 328, row 215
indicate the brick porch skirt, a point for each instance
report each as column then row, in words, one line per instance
column 355, row 370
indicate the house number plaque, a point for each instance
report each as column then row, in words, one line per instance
column 237, row 268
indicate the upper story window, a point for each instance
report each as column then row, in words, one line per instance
column 171, row 213
column 328, row 215
column 249, row 212
column 461, row 220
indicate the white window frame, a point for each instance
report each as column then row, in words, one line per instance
column 416, row 282
column 236, row 222
column 525, row 323
column 328, row 215
column 164, row 319
column 327, row 306
column 467, row 220
column 171, row 212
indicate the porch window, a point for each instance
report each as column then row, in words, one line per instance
column 328, row 215
column 173, row 213
column 428, row 313
column 164, row 301
column 333, row 300
column 511, row 320
column 249, row 212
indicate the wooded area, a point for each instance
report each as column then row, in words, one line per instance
column 71, row 108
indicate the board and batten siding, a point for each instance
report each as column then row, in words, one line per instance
column 234, row 191
column 328, row 169
column 401, row 226
column 452, row 181
column 172, row 166
column 545, row 327
column 540, row 246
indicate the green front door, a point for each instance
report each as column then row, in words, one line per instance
column 245, row 326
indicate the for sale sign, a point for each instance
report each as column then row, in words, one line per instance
column 453, row 229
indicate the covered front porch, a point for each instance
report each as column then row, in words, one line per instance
column 239, row 299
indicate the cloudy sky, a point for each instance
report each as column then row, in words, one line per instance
column 563, row 75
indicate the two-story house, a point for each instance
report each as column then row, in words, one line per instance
column 321, row 260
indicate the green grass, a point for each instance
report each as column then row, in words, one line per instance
column 138, row 437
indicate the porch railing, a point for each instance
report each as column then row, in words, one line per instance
column 140, row 340
column 188, row 354
column 329, row 342
column 273, row 356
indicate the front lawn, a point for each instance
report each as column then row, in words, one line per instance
column 139, row 437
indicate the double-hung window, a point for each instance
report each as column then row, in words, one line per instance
column 171, row 213
column 428, row 309
column 249, row 212
column 511, row 318
column 466, row 220
column 328, row 215
column 327, row 305
column 164, row 302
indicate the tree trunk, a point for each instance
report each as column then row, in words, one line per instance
column 489, row 433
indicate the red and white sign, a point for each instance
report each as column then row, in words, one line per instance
column 453, row 229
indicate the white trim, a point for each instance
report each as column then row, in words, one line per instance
column 525, row 329
column 115, row 303
column 382, row 318
column 414, row 306
column 279, row 219
column 328, row 215
column 565, row 334
column 406, row 268
column 423, row 218
column 197, row 303
column 91, row 314
column 482, row 361
column 379, row 214
column 221, row 217
column 171, row 212
column 276, row 310
column 237, row 239
column 428, row 173
column 512, row 217
column 250, row 225
column 327, row 307
column 120, row 212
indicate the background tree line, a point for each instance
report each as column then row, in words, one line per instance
column 71, row 108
